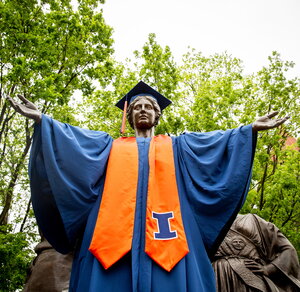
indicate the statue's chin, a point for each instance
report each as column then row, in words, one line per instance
column 144, row 126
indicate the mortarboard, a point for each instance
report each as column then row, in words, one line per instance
column 140, row 88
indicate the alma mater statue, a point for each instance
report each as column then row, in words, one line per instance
column 143, row 213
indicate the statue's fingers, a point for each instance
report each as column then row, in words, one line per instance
column 280, row 121
column 28, row 103
column 19, row 109
column 272, row 114
column 248, row 261
column 251, row 265
column 255, row 269
column 23, row 98
column 10, row 99
column 12, row 102
column 258, row 271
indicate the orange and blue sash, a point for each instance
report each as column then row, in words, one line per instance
column 166, row 242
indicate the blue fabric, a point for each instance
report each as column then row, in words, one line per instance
column 67, row 170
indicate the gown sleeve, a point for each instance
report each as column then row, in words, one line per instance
column 215, row 170
column 67, row 169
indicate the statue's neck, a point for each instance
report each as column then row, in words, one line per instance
column 145, row 133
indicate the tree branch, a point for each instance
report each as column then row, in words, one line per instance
column 9, row 194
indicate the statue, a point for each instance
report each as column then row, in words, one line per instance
column 50, row 270
column 256, row 256
column 143, row 213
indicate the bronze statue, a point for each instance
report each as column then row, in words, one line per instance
column 119, row 198
column 256, row 256
column 50, row 270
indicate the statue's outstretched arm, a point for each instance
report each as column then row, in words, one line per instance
column 266, row 122
column 27, row 108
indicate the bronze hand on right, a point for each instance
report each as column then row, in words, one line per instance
column 27, row 108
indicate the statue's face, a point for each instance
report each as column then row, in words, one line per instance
column 143, row 114
column 238, row 243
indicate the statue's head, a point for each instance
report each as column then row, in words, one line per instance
column 142, row 106
column 238, row 243
column 144, row 112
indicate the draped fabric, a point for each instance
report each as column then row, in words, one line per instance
column 68, row 169
column 112, row 240
column 166, row 241
column 251, row 238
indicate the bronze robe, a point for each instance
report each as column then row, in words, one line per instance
column 252, row 238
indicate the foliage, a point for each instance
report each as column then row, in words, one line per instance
column 281, row 195
column 15, row 257
column 211, row 93
column 155, row 66
column 97, row 110
column 218, row 96
column 48, row 49
column 274, row 194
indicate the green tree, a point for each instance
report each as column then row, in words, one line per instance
column 48, row 49
column 98, row 111
column 155, row 66
column 14, row 259
column 281, row 195
column 217, row 95
column 212, row 90
column 213, row 93
column 274, row 193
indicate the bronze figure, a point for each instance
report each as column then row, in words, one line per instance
column 256, row 256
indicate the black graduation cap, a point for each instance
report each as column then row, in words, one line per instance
column 143, row 88
column 140, row 88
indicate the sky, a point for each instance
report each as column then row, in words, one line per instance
column 246, row 29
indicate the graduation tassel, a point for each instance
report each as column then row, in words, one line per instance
column 124, row 118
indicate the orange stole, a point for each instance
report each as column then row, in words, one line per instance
column 112, row 239
column 114, row 227
column 163, row 198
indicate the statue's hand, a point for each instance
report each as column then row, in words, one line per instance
column 257, row 268
column 266, row 122
column 28, row 109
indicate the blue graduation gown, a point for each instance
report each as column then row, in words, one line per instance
column 67, row 172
